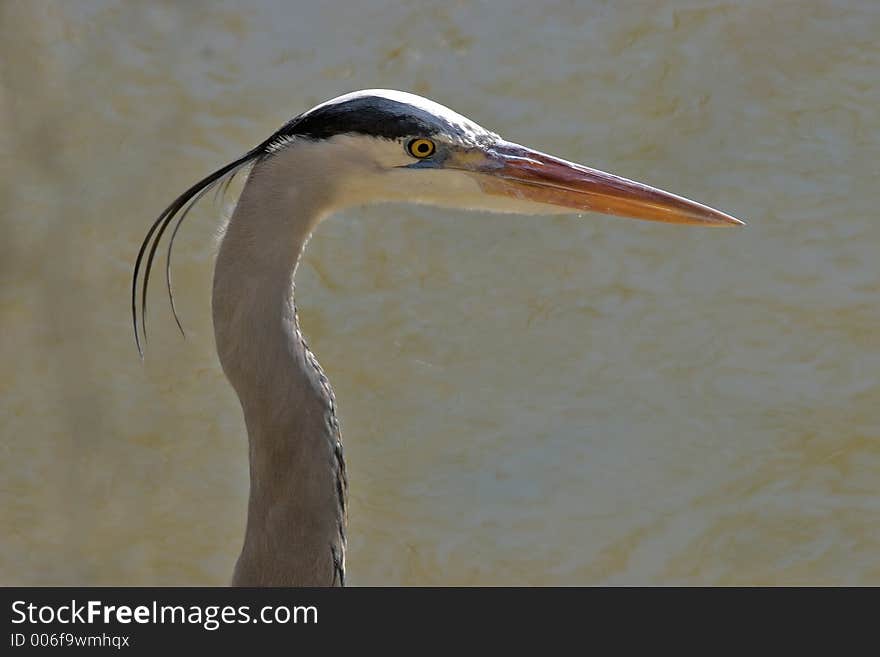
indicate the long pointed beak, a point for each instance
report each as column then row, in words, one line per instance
column 512, row 170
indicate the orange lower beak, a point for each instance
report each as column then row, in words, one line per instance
column 513, row 170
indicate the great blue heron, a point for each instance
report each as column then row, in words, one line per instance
column 364, row 147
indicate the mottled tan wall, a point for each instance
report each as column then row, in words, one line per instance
column 524, row 400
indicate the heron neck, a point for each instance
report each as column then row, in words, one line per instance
column 296, row 511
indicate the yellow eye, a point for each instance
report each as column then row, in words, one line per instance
column 421, row 148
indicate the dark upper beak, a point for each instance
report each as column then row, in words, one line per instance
column 513, row 170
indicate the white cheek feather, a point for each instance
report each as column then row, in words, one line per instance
column 450, row 188
column 351, row 170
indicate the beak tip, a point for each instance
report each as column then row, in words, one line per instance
column 722, row 219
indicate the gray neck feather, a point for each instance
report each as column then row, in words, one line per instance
column 295, row 532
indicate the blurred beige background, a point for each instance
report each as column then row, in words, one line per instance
column 524, row 400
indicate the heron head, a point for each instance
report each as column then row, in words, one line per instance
column 381, row 145
column 385, row 145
